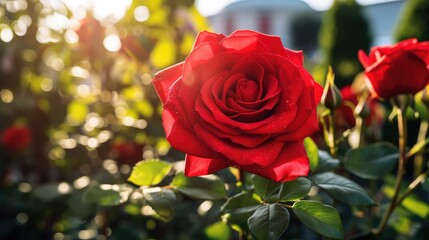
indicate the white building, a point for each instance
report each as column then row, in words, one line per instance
column 277, row 17
column 267, row 16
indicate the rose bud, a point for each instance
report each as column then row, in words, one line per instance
column 399, row 69
column 16, row 138
column 241, row 100
column 331, row 97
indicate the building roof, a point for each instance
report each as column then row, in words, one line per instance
column 266, row 5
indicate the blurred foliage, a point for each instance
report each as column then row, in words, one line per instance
column 305, row 28
column 77, row 75
column 343, row 33
column 414, row 21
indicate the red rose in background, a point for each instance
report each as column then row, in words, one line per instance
column 344, row 116
column 91, row 35
column 399, row 69
column 241, row 100
column 16, row 138
column 138, row 47
column 128, row 152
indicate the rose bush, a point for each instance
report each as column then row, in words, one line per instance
column 397, row 69
column 241, row 100
column 16, row 138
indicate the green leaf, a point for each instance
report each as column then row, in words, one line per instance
column 218, row 231
column 342, row 189
column 326, row 162
column 239, row 208
column 372, row 161
column 266, row 188
column 149, row 172
column 319, row 217
column 103, row 195
column 162, row 201
column 269, row 221
column 295, row 190
column 312, row 152
column 208, row 187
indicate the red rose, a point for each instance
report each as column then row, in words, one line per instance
column 344, row 116
column 399, row 69
column 139, row 48
column 91, row 35
column 243, row 101
column 127, row 152
column 16, row 138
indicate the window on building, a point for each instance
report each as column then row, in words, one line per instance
column 229, row 25
column 265, row 24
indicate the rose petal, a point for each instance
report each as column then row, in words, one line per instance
column 364, row 59
column 224, row 123
column 165, row 78
column 295, row 56
column 192, row 82
column 273, row 42
column 308, row 79
column 263, row 155
column 199, row 56
column 244, row 44
column 291, row 164
column 243, row 139
column 196, row 166
column 181, row 138
column 305, row 122
column 205, row 37
column 387, row 78
column 178, row 129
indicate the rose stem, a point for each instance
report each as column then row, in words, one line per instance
column 402, row 128
column 331, row 137
column 418, row 159
column 359, row 127
column 411, row 187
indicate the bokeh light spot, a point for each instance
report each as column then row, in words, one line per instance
column 24, row 187
column 47, row 84
column 64, row 188
column 6, row 95
column 19, row 28
column 6, row 34
column 141, row 13
column 112, row 43
column 71, row 37
column 22, row 218
column 81, row 182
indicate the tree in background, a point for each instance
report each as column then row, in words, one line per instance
column 344, row 31
column 414, row 21
column 305, row 28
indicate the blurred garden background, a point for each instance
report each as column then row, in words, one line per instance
column 78, row 109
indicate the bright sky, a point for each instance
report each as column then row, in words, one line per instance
column 210, row 7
